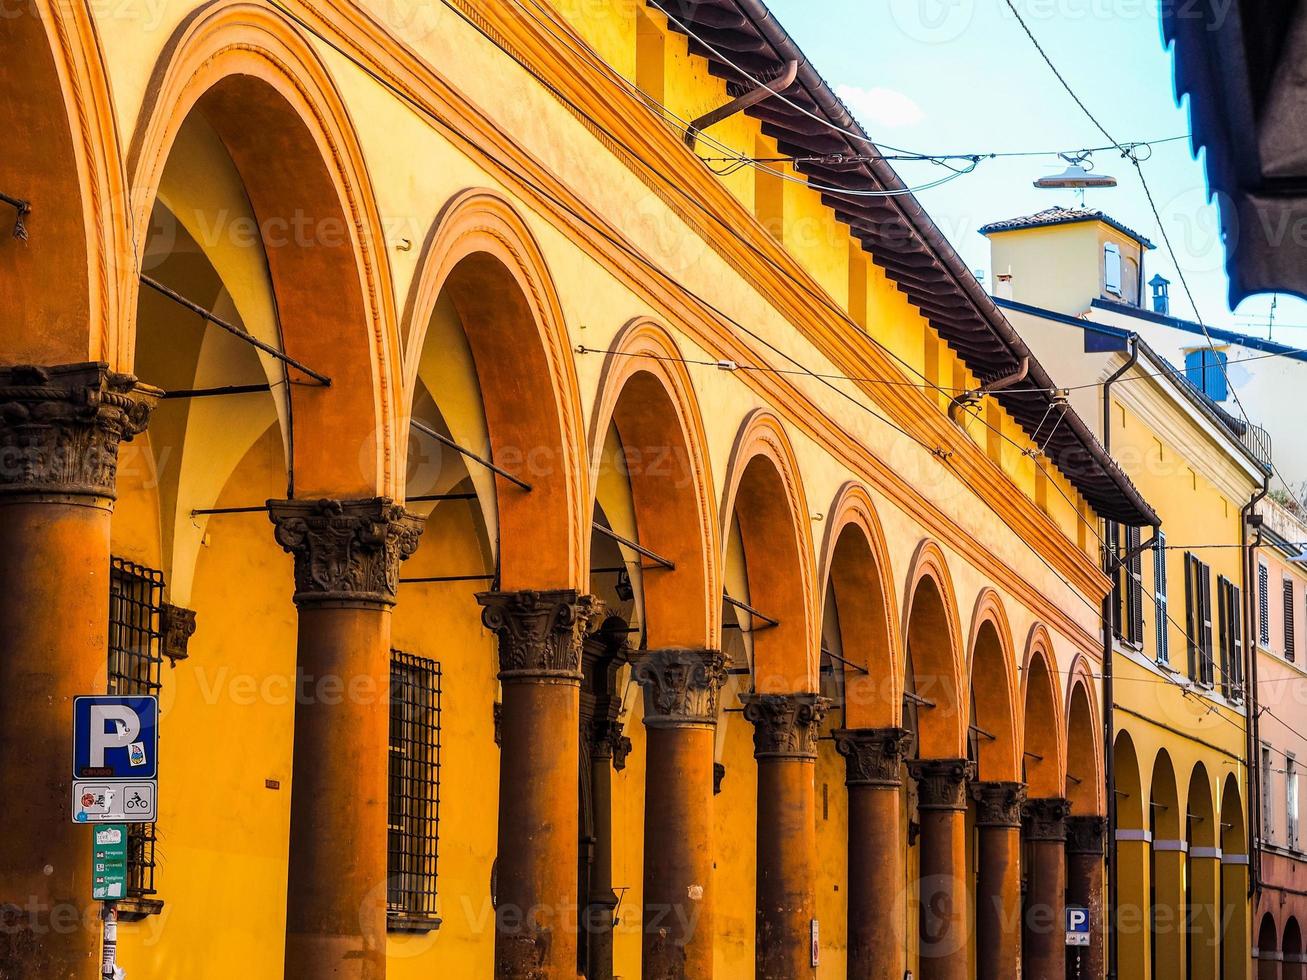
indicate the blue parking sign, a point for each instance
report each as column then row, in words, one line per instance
column 116, row 738
column 1077, row 925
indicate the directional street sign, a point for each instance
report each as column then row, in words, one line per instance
column 109, row 867
column 1077, row 925
column 115, row 759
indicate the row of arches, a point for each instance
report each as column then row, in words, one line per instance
column 1182, row 855
column 245, row 189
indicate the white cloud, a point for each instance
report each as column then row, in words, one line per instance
column 880, row 106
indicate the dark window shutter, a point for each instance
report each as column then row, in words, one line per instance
column 1289, row 624
column 1191, row 615
column 1205, row 607
column 1263, row 606
column 1223, row 634
column 1236, row 619
column 1160, row 613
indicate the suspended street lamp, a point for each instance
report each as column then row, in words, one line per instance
column 1078, row 175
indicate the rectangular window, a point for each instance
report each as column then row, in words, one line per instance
column 1198, row 619
column 1290, row 623
column 1160, row 613
column 1112, row 268
column 135, row 668
column 1263, row 605
column 414, row 792
column 1268, row 815
column 1291, row 801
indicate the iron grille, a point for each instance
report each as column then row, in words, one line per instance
column 135, row 668
column 414, row 794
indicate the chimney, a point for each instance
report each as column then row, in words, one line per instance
column 1161, row 296
column 1003, row 285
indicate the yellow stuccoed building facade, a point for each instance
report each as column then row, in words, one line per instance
column 552, row 557
column 1180, row 680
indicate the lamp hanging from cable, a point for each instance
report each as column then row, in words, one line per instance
column 1078, row 175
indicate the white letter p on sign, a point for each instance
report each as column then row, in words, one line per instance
column 113, row 726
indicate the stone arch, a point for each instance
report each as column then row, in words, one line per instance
column 855, row 567
column 646, row 392
column 1291, row 947
column 1164, row 796
column 1131, row 805
column 273, row 105
column 61, row 288
column 1268, row 949
column 482, row 252
column 1043, row 733
column 934, row 652
column 993, row 690
column 765, row 495
column 1084, row 746
column 1200, row 810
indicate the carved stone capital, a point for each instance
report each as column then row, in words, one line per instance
column 177, row 626
column 998, row 804
column 1045, row 818
column 785, row 725
column 1086, row 835
column 942, row 783
column 540, row 633
column 346, row 551
column 681, row 687
column 608, row 741
column 60, row 428
column 873, row 756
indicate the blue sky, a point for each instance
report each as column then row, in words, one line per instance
column 960, row 76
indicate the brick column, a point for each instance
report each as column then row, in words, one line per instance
column 347, row 557
column 785, row 746
column 998, row 886
column 1086, row 838
column 60, row 429
column 942, row 804
column 874, row 760
column 540, row 636
column 1043, row 938
column 681, row 691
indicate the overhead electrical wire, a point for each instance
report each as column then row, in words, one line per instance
column 425, row 113
column 1161, row 226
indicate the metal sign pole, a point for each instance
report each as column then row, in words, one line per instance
column 108, row 964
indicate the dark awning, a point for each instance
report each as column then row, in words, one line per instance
column 1241, row 65
column 899, row 236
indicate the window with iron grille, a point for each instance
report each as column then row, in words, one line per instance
column 135, row 668
column 1289, row 624
column 1160, row 613
column 414, row 794
column 1198, row 618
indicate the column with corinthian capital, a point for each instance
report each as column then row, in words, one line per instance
column 347, row 555
column 785, row 730
column 874, row 778
column 60, row 429
column 998, row 887
column 536, row 915
column 1043, row 939
column 681, row 691
column 942, row 802
column 1086, row 838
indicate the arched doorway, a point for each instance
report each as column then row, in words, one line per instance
column 1134, row 872
column 1291, row 946
column 1203, row 880
column 1168, row 872
column 1268, row 950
